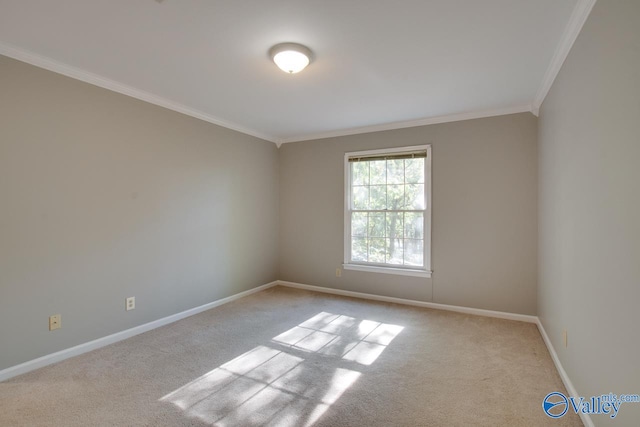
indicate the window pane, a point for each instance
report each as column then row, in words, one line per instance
column 359, row 173
column 360, row 197
column 377, row 172
column 376, row 224
column 395, row 171
column 387, row 204
column 358, row 249
column 395, row 251
column 414, row 171
column 359, row 224
column 414, row 225
column 395, row 197
column 414, row 196
column 378, row 197
column 413, row 252
column 395, row 225
column 377, row 250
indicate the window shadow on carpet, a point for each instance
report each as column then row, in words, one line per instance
column 293, row 380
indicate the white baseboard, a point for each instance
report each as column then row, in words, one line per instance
column 586, row 419
column 59, row 356
column 119, row 336
column 458, row 309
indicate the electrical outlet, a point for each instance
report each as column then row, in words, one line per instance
column 130, row 303
column 55, row 322
column 564, row 336
column 338, row 272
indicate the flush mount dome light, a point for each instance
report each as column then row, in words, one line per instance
column 290, row 57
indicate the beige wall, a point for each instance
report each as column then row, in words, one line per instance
column 104, row 197
column 590, row 208
column 484, row 251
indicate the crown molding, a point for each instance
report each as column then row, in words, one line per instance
column 413, row 123
column 578, row 17
column 105, row 83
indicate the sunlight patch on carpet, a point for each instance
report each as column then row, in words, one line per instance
column 361, row 341
column 276, row 385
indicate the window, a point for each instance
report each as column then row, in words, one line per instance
column 388, row 211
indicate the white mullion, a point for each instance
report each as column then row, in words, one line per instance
column 389, row 210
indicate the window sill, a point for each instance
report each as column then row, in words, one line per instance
column 387, row 270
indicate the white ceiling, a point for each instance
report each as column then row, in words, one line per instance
column 379, row 64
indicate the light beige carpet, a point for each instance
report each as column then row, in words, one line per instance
column 285, row 357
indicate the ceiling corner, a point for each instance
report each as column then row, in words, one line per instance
column 577, row 20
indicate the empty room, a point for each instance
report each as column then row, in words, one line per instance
column 319, row 213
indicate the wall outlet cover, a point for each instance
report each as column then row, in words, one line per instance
column 55, row 322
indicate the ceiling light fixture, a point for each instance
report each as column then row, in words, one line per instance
column 290, row 57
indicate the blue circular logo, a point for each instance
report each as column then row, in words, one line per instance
column 555, row 404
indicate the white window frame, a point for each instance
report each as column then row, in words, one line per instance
column 424, row 271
